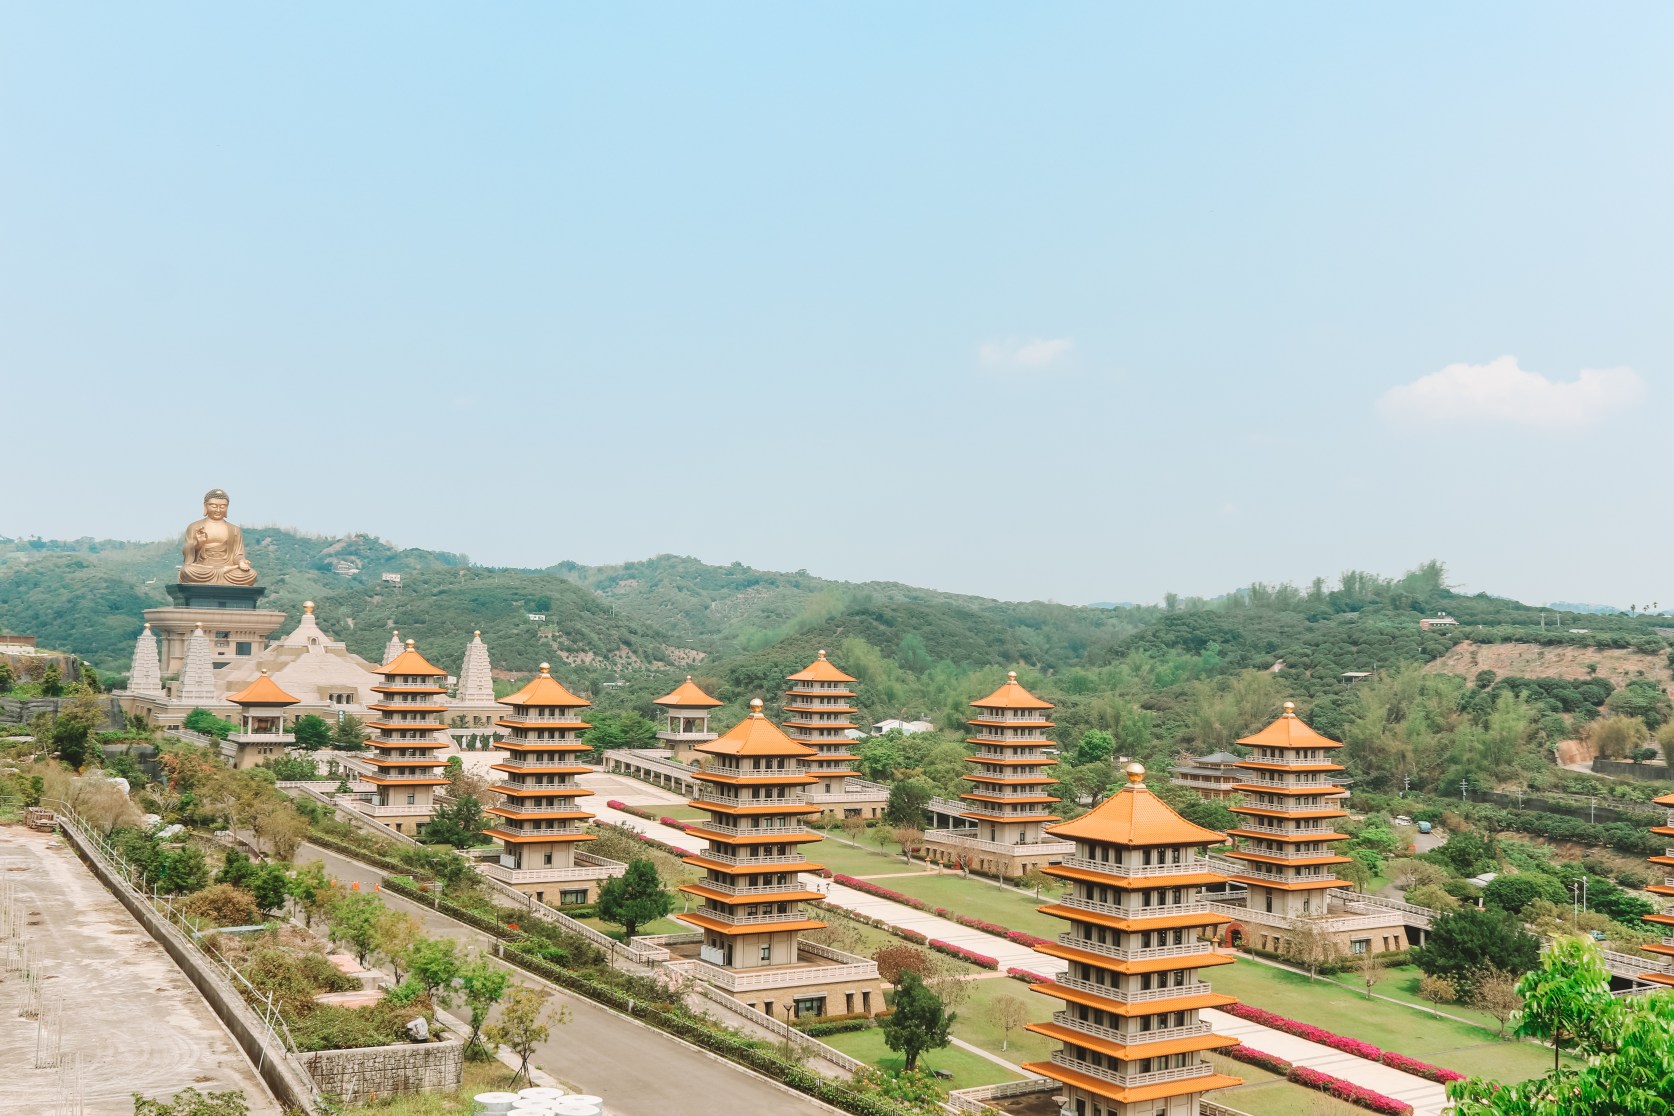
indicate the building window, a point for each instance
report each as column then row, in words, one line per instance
column 767, row 953
column 807, row 1006
column 571, row 896
column 1359, row 946
column 241, row 648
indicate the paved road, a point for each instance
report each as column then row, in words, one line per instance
column 637, row 1070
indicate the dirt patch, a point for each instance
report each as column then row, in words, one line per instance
column 1574, row 751
column 1534, row 660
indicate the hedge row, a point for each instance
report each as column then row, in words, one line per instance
column 1314, row 1079
column 1260, row 1059
column 723, row 1043
column 963, row 954
column 1027, row 977
column 1341, row 1042
column 383, row 863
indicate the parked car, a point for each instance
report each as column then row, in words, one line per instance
column 1424, row 827
column 1402, row 819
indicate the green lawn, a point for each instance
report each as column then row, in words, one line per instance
column 968, row 1069
column 976, row 1028
column 1267, row 1094
column 839, row 856
column 1401, row 983
column 978, row 898
column 1456, row 1046
column 683, row 813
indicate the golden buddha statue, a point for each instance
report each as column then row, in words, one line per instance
column 214, row 550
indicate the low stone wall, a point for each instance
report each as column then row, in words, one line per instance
column 1625, row 769
column 353, row 1076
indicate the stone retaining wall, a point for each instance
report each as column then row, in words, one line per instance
column 354, row 1075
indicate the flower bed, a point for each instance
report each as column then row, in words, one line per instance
column 1341, row 1042
column 673, row 823
column 963, row 954
column 1419, row 1069
column 618, row 804
column 1026, row 976
column 1349, row 1091
column 1260, row 1059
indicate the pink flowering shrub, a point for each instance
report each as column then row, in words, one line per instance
column 1026, row 976
column 963, row 954
column 674, row 823
column 1260, row 1059
column 1419, row 1069
column 1349, row 1091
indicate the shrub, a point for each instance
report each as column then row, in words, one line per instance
column 1349, row 1091
column 1027, row 977
column 963, row 954
column 1340, row 1042
column 1419, row 1069
column 1272, row 1063
column 222, row 904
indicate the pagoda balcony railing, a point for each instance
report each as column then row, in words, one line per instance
column 1288, row 853
column 1027, row 716
column 1329, row 923
column 766, row 863
column 749, row 919
column 967, row 838
column 1006, row 792
column 748, row 773
column 1285, row 830
column 378, row 811
column 1185, row 949
column 1132, row 1080
column 548, row 790
column 261, row 737
column 1136, row 995
column 514, row 760
column 1287, row 761
column 706, row 793
column 507, row 873
column 528, row 808
column 425, row 684
column 1034, row 740
column 751, row 980
column 563, row 720
column 762, row 831
column 759, row 889
column 1136, row 871
column 1289, row 807
column 1126, row 1038
column 1290, row 783
column 524, row 829
column 1118, row 911
column 1284, row 877
column 686, row 737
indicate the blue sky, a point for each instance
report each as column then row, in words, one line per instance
column 1082, row 302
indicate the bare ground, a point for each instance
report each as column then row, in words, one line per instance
column 137, row 1024
column 1533, row 660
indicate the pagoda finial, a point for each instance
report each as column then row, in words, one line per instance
column 1011, row 676
column 477, row 634
column 200, row 626
column 688, row 678
column 755, row 707
column 148, row 625
column 410, row 645
column 308, row 607
column 822, row 653
column 1290, row 709
column 1136, row 775
column 546, row 668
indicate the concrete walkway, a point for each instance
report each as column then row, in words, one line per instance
column 1426, row 1097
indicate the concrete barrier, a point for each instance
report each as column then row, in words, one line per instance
column 356, row 1075
column 289, row 1083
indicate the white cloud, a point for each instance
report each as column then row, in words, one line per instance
column 1501, row 392
column 1040, row 352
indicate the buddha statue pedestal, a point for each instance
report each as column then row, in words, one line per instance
column 186, row 594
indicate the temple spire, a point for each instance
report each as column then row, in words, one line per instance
column 476, row 684
column 394, row 647
column 145, row 674
column 197, row 676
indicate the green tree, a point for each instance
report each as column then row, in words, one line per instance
column 1567, row 999
column 881, row 756
column 1468, row 854
column 312, row 732
column 352, row 918
column 621, row 730
column 1095, row 745
column 52, row 681
column 919, row 1021
column 523, row 1025
column 634, row 898
column 434, row 963
column 205, row 723
column 349, row 735
column 481, row 984
column 1463, row 943
column 1514, row 892
column 908, row 800
column 236, row 869
column 183, row 871
column 458, row 822
column 270, row 885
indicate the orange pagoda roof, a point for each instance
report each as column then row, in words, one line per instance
column 819, row 671
column 1289, row 731
column 755, row 735
column 263, row 691
column 1134, row 816
column 688, row 695
column 544, row 689
column 410, row 662
column 1011, row 696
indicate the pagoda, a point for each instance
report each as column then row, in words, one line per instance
column 537, row 823
column 1664, row 920
column 473, row 711
column 1291, row 802
column 818, row 706
column 145, row 672
column 751, row 786
column 1008, row 804
column 261, row 734
column 1139, row 937
column 686, row 711
column 405, row 739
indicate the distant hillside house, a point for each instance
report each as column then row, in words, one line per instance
column 1354, row 675
column 905, row 728
column 537, row 617
column 393, row 579
column 1439, row 620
